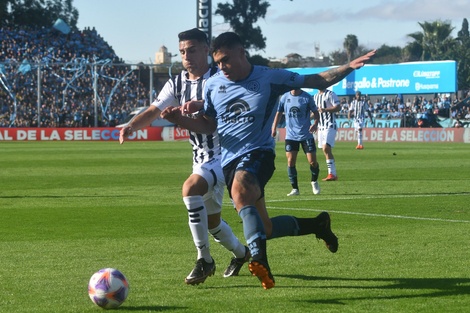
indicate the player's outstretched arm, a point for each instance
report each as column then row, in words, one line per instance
column 332, row 76
column 199, row 124
column 140, row 121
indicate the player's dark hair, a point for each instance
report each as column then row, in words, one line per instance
column 226, row 40
column 193, row 34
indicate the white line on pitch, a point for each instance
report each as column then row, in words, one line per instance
column 375, row 215
column 355, row 197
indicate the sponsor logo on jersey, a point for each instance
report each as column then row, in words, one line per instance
column 294, row 112
column 236, row 112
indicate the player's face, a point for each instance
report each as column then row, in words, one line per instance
column 229, row 62
column 194, row 55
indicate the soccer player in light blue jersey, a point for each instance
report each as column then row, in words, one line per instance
column 203, row 190
column 298, row 108
column 240, row 103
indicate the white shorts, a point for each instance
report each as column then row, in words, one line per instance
column 326, row 136
column 359, row 124
column 212, row 172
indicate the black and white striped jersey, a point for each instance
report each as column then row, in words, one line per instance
column 176, row 92
column 325, row 100
column 359, row 108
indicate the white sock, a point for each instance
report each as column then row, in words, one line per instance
column 197, row 215
column 359, row 138
column 224, row 235
column 331, row 166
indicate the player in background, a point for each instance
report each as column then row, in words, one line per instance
column 203, row 190
column 359, row 107
column 240, row 103
column 328, row 104
column 299, row 108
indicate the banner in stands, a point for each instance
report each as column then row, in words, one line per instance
column 176, row 133
column 379, row 123
column 401, row 78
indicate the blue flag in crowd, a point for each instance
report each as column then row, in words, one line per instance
column 61, row 26
column 25, row 67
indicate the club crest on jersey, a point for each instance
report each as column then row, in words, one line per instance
column 236, row 112
column 253, row 86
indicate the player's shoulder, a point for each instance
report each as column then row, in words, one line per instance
column 215, row 78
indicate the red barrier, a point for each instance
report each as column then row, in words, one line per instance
column 176, row 133
column 75, row 134
column 400, row 134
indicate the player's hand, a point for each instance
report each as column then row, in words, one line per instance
column 313, row 128
column 274, row 133
column 360, row 61
column 192, row 106
column 171, row 114
column 125, row 132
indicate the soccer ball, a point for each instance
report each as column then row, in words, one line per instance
column 108, row 288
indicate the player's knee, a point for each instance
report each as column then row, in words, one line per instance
column 213, row 220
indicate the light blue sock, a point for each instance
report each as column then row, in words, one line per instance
column 253, row 230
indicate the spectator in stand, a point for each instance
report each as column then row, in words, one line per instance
column 457, row 123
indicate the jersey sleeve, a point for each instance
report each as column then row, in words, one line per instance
column 334, row 99
column 166, row 97
column 282, row 100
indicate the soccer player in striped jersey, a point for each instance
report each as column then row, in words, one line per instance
column 359, row 107
column 298, row 108
column 203, row 190
column 240, row 103
column 328, row 104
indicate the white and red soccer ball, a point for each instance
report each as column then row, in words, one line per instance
column 108, row 288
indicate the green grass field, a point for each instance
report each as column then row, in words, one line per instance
column 401, row 212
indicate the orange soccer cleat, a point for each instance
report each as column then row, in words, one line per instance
column 330, row 177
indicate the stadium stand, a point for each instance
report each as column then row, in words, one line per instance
column 67, row 73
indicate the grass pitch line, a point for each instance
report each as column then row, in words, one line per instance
column 361, row 197
column 375, row 215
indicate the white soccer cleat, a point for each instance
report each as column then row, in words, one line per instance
column 294, row 192
column 315, row 187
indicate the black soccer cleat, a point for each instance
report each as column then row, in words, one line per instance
column 200, row 272
column 236, row 264
column 324, row 231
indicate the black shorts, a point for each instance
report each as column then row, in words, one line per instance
column 258, row 162
column 308, row 145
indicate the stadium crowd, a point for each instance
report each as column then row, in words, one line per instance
column 67, row 96
column 413, row 112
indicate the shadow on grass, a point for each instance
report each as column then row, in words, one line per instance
column 150, row 308
column 431, row 287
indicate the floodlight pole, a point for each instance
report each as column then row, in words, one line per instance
column 95, row 94
column 39, row 94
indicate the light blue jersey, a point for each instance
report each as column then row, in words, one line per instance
column 245, row 110
column 297, row 110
